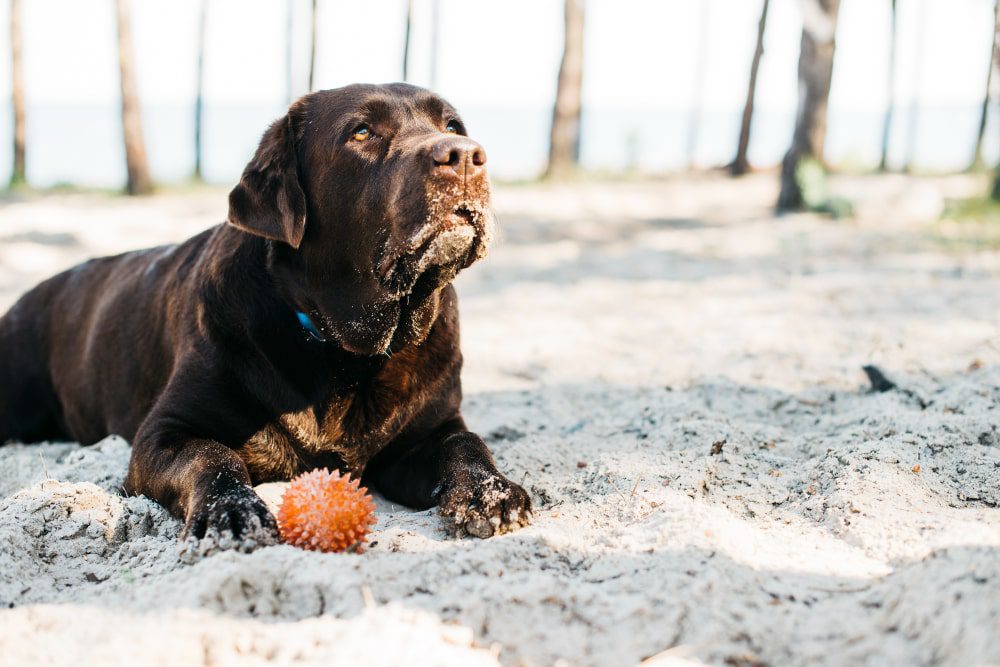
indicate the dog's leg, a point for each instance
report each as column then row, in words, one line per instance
column 453, row 469
column 207, row 485
column 199, row 479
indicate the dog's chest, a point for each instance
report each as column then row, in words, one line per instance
column 348, row 428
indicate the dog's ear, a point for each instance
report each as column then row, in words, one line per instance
column 269, row 201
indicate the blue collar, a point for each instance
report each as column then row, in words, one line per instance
column 310, row 328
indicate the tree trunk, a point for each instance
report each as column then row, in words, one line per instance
column 819, row 27
column 18, row 174
column 199, row 100
column 139, row 182
column 891, row 88
column 406, row 40
column 995, row 194
column 977, row 155
column 701, row 66
column 312, row 47
column 740, row 164
column 564, row 140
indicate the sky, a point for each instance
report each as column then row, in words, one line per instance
column 640, row 55
column 639, row 52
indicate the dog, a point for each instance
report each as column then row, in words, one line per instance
column 316, row 327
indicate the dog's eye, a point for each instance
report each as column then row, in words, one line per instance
column 451, row 127
column 362, row 133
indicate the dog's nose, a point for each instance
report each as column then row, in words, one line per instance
column 458, row 156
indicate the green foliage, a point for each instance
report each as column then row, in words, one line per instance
column 970, row 224
column 974, row 210
column 811, row 177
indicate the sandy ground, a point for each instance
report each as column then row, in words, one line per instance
column 676, row 377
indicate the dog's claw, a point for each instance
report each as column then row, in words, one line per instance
column 485, row 504
column 236, row 521
column 479, row 528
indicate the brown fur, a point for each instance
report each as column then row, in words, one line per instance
column 195, row 353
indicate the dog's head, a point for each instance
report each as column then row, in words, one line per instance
column 374, row 198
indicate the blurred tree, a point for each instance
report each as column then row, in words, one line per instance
column 18, row 174
column 740, row 164
column 200, row 95
column 406, row 40
column 312, row 46
column 819, row 28
column 996, row 64
column 977, row 155
column 701, row 66
column 890, row 91
column 139, row 181
column 564, row 139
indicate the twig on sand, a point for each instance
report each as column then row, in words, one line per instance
column 45, row 466
column 369, row 599
column 879, row 382
column 615, row 486
column 848, row 589
column 635, row 486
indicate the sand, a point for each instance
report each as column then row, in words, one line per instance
column 674, row 374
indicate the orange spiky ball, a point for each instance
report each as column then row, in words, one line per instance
column 326, row 511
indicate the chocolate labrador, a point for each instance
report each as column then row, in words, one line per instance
column 316, row 327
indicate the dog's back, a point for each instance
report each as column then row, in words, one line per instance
column 71, row 346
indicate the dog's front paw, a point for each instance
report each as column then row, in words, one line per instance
column 484, row 503
column 237, row 520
